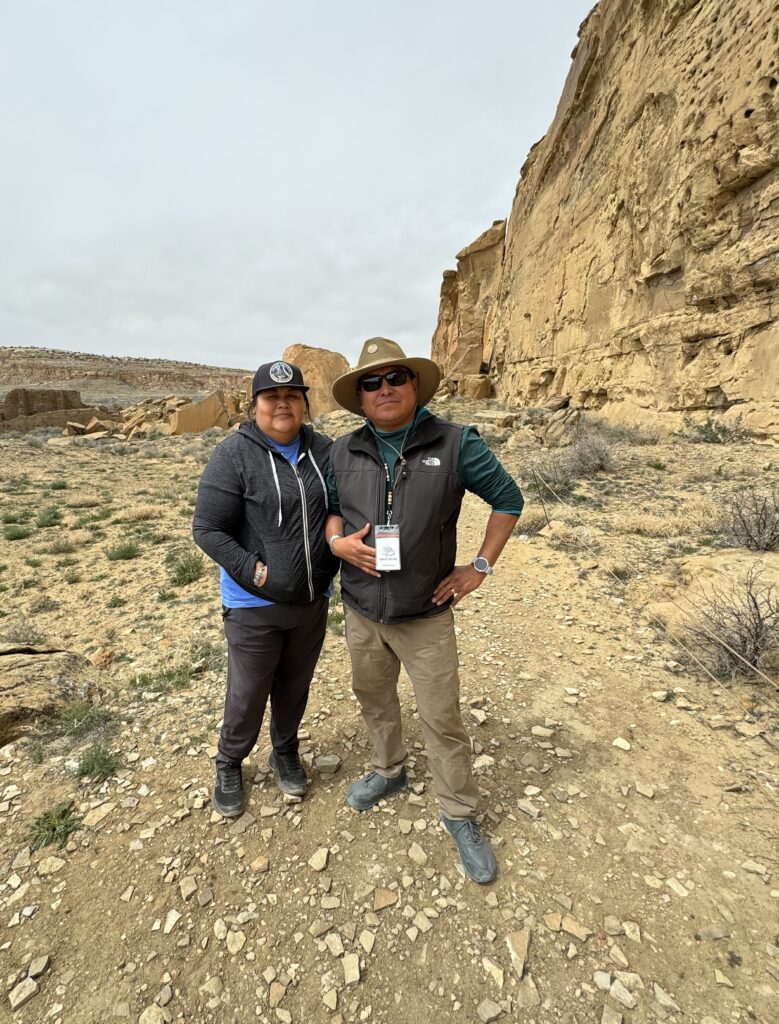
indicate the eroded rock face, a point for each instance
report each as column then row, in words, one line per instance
column 320, row 367
column 467, row 297
column 37, row 681
column 641, row 264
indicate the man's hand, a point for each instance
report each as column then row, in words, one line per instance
column 352, row 550
column 462, row 580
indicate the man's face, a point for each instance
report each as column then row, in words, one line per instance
column 390, row 408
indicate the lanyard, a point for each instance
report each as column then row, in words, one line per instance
column 390, row 489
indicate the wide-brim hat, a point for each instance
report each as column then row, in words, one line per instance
column 378, row 352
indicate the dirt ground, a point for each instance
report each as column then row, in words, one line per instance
column 645, row 874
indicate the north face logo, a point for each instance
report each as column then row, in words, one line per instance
column 431, row 461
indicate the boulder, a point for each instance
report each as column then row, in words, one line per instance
column 320, row 368
column 36, row 681
column 96, row 425
column 475, row 385
column 196, row 417
column 559, row 426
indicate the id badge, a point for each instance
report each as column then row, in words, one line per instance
column 387, row 544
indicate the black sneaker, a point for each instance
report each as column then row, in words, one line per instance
column 228, row 796
column 290, row 775
column 476, row 854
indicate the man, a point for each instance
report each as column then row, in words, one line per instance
column 395, row 490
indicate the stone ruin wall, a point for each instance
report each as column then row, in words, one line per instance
column 641, row 264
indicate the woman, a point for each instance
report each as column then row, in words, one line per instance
column 260, row 514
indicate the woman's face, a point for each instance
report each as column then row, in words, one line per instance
column 279, row 413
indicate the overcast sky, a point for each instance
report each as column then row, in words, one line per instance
column 214, row 181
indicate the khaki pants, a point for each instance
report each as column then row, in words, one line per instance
column 427, row 650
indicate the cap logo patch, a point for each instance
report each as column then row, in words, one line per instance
column 373, row 348
column 281, row 373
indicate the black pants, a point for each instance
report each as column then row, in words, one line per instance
column 271, row 652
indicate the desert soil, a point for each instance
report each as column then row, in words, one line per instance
column 645, row 874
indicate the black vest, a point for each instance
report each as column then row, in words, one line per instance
column 428, row 494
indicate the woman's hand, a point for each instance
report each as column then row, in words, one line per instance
column 462, row 580
column 264, row 578
column 352, row 550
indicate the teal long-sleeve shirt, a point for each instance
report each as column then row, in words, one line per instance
column 480, row 470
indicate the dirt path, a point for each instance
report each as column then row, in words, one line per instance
column 651, row 871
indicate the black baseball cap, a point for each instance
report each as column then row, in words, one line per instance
column 277, row 375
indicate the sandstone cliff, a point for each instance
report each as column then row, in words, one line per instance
column 641, row 264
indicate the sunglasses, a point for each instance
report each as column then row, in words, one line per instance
column 395, row 379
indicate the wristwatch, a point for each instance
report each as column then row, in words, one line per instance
column 259, row 575
column 481, row 564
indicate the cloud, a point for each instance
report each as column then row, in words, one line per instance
column 215, row 183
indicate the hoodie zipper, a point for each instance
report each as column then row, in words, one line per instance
column 306, row 541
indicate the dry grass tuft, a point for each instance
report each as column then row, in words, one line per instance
column 698, row 517
column 142, row 513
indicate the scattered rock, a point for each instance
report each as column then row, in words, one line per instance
column 488, row 1010
column 573, row 927
column 23, row 992
column 318, row 860
column 518, row 944
column 351, row 968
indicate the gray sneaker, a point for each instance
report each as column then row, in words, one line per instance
column 475, row 852
column 367, row 791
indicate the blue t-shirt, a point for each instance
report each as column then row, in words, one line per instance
column 233, row 595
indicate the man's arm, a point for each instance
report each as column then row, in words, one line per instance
column 464, row 579
column 484, row 475
column 351, row 549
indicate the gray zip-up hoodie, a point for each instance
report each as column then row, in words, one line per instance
column 252, row 504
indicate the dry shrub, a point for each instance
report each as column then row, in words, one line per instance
column 745, row 615
column 590, row 453
column 572, row 538
column 552, row 479
column 752, row 520
column 621, row 433
column 530, row 522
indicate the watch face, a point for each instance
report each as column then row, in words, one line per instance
column 481, row 564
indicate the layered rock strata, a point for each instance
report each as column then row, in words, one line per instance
column 641, row 265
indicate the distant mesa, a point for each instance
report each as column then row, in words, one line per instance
column 127, row 408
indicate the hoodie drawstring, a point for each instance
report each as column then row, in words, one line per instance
column 321, row 480
column 276, row 481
